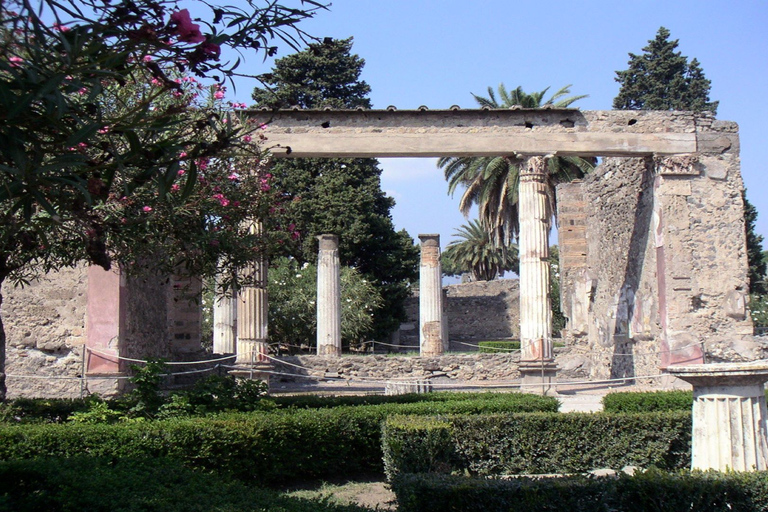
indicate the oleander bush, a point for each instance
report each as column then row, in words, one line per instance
column 536, row 443
column 652, row 490
column 136, row 485
column 653, row 401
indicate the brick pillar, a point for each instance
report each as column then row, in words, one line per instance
column 431, row 342
column 537, row 363
column 328, row 297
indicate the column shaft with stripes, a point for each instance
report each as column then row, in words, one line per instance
column 328, row 297
column 224, row 321
column 534, row 214
column 252, row 310
column 431, row 340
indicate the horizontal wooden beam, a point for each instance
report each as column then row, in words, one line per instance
column 469, row 133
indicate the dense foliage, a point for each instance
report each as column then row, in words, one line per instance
column 341, row 197
column 473, row 252
column 91, row 484
column 663, row 79
column 293, row 309
column 113, row 145
column 539, row 443
column 642, row 492
column 757, row 265
column 652, row 401
column 492, row 183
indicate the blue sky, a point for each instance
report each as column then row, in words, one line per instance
column 437, row 52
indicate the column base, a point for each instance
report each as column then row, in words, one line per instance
column 539, row 377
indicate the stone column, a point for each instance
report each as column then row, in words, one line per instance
column 328, row 297
column 252, row 311
column 431, row 342
column 224, row 321
column 729, row 415
column 537, row 364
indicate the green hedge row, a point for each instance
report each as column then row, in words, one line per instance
column 266, row 447
column 654, row 401
column 653, row 490
column 132, row 485
column 506, row 444
column 26, row 410
column 493, row 347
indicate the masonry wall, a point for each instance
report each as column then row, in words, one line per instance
column 476, row 311
column 45, row 330
column 658, row 273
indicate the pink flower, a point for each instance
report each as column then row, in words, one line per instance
column 16, row 61
column 147, row 58
column 218, row 95
column 175, row 187
column 60, row 27
column 186, row 31
column 104, row 130
column 181, row 172
column 247, row 138
column 147, row 209
column 233, row 177
column 183, row 154
column 82, row 91
column 156, row 81
column 210, row 50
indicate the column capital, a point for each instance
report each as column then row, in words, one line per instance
column 678, row 165
column 429, row 239
column 328, row 242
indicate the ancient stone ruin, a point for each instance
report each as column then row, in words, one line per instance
column 653, row 255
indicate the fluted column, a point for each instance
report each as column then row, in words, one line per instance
column 224, row 321
column 252, row 310
column 729, row 415
column 537, row 359
column 431, row 342
column 328, row 297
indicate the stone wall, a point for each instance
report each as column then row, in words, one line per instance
column 658, row 274
column 463, row 367
column 45, row 329
column 48, row 330
column 476, row 311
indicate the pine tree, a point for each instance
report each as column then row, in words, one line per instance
column 663, row 79
column 341, row 197
column 757, row 265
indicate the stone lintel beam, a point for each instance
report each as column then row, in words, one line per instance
column 386, row 133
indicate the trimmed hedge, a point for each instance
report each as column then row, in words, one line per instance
column 504, row 444
column 650, row 490
column 25, row 410
column 269, row 448
column 494, row 347
column 654, row 401
column 131, row 485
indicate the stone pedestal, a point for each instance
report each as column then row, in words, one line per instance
column 431, row 340
column 328, row 297
column 537, row 359
column 729, row 415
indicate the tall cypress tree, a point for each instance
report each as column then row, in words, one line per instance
column 344, row 196
column 757, row 265
column 663, row 79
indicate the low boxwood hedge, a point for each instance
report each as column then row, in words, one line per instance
column 642, row 492
column 266, row 447
column 136, row 485
column 505, row 444
column 653, row 401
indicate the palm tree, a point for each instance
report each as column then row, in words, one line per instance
column 476, row 253
column 492, row 182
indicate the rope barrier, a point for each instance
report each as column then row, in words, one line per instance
column 170, row 363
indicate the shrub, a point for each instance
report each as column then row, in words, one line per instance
column 266, row 447
column 648, row 402
column 498, row 346
column 419, row 444
column 135, row 485
column 503, row 444
column 645, row 491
